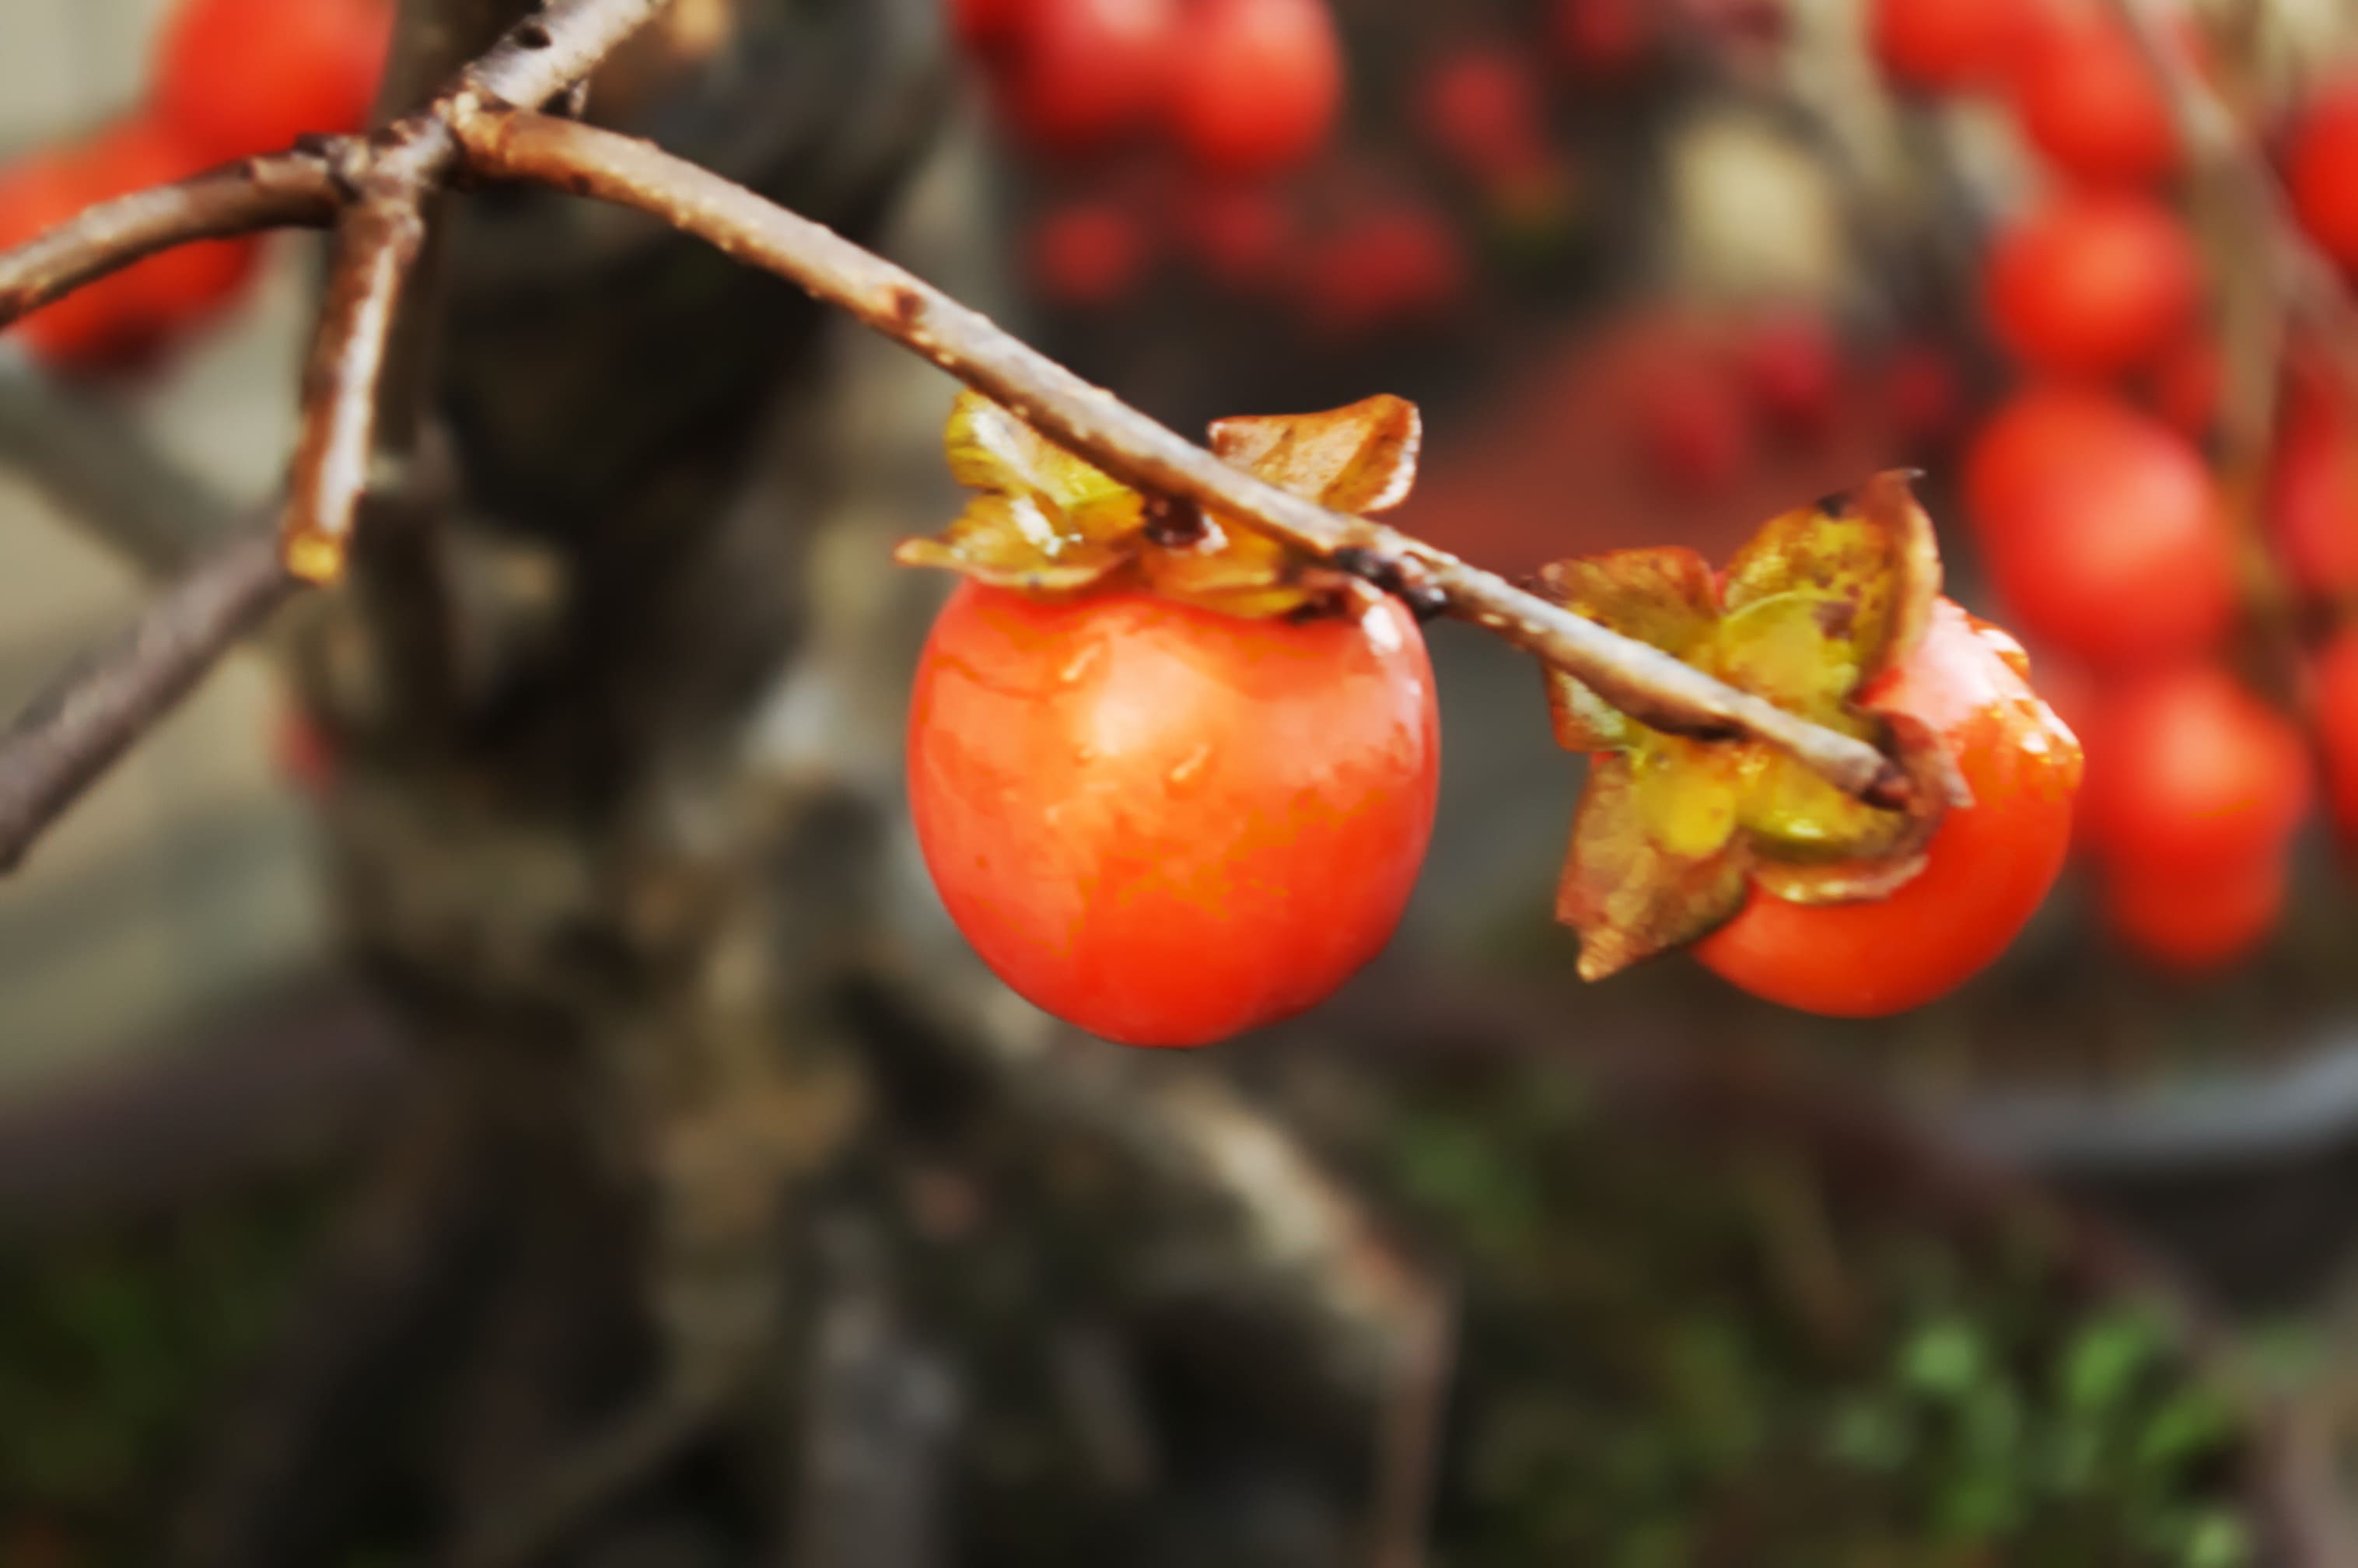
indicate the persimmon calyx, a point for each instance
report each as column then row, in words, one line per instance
column 1047, row 523
column 1813, row 614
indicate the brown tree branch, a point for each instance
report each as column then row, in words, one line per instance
column 1643, row 681
column 377, row 242
column 69, row 736
column 380, row 186
column 544, row 55
column 275, row 191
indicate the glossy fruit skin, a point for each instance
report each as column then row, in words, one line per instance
column 1164, row 825
column 128, row 313
column 2194, row 773
column 1082, row 74
column 2084, row 97
column 2094, row 283
column 2191, row 925
column 1947, row 45
column 2103, row 529
column 1988, row 869
column 1256, row 84
column 2336, row 675
column 2322, row 171
column 239, row 77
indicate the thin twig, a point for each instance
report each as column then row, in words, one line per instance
column 376, row 241
column 79, row 450
column 69, row 736
column 1642, row 681
column 279, row 190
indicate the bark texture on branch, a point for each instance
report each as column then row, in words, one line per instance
column 278, row 191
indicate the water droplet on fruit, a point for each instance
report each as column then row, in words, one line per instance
column 1077, row 667
column 1381, row 630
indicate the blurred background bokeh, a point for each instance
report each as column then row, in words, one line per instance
column 2053, row 1272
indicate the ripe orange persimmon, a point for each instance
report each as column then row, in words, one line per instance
column 1166, row 825
column 1989, row 866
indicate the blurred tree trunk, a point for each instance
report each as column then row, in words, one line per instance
column 613, row 923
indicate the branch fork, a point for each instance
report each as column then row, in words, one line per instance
column 377, row 191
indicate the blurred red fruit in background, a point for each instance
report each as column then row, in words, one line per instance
column 2337, row 728
column 1082, row 74
column 1396, row 265
column 2186, row 385
column 1691, row 426
column 1791, row 366
column 2092, row 283
column 1256, row 84
column 1088, row 254
column 1946, row 45
column 1481, row 107
column 985, row 23
column 1242, row 236
column 2086, row 98
column 1604, row 39
column 128, row 312
column 239, row 77
column 2198, row 923
column 2195, row 774
column 2101, row 528
column 2321, row 169
column 2313, row 497
column 1922, row 395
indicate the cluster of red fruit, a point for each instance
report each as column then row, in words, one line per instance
column 2101, row 521
column 1704, row 408
column 231, row 77
column 1250, row 94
